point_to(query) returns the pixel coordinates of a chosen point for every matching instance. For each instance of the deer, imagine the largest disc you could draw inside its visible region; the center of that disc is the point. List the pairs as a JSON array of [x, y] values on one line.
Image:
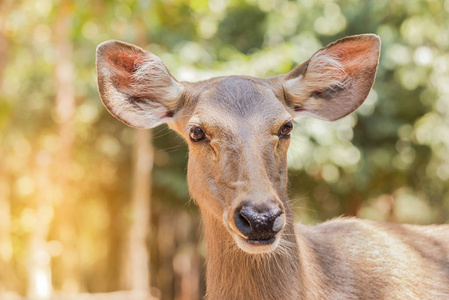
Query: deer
[[238, 131]]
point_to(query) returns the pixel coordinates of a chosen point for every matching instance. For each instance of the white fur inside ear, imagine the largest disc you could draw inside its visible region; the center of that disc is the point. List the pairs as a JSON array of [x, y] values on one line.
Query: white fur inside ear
[[145, 114], [152, 77], [324, 71]]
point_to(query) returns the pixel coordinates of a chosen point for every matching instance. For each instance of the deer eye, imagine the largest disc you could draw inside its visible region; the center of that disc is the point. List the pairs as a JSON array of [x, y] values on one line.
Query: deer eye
[[197, 134], [286, 129]]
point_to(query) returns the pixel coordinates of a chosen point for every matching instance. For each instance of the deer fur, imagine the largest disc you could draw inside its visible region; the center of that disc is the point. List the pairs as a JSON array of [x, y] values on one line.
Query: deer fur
[[242, 157]]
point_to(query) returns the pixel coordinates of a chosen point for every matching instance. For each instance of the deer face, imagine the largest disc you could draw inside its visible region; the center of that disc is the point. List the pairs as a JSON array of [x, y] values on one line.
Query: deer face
[[238, 137], [238, 128]]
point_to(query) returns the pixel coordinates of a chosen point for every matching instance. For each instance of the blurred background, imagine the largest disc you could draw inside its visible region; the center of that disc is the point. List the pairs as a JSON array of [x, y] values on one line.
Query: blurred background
[[93, 209]]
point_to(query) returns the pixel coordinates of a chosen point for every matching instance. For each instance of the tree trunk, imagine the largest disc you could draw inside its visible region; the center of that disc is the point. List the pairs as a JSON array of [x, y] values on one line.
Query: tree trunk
[[38, 264], [65, 111], [53, 169], [136, 260]]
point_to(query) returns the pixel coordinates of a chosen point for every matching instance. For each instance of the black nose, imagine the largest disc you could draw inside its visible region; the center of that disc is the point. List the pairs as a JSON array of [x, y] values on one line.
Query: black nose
[[259, 221]]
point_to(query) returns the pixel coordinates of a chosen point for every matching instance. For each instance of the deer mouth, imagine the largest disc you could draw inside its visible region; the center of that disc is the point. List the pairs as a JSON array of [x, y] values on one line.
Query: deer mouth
[[257, 242], [256, 246]]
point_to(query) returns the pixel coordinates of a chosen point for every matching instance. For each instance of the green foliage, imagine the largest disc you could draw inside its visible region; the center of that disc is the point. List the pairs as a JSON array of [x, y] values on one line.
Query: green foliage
[[243, 27]]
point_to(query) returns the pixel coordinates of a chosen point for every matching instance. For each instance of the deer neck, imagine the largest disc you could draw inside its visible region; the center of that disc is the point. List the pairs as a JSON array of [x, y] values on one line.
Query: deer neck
[[235, 274]]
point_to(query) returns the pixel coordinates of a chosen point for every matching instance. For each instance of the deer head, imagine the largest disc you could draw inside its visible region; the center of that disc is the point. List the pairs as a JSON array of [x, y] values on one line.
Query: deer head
[[238, 128]]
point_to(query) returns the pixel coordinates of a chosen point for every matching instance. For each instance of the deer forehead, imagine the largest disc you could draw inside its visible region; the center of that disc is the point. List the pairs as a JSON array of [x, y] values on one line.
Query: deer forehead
[[236, 104]]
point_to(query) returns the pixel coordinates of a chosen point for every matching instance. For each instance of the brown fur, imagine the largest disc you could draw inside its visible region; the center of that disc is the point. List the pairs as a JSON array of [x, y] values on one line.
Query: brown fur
[[244, 159]]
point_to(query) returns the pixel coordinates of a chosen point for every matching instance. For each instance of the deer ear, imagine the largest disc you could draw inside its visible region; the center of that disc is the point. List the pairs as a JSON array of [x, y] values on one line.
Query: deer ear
[[335, 80], [135, 86]]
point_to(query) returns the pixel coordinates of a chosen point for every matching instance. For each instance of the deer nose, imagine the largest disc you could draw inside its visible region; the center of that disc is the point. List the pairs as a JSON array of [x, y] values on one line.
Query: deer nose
[[259, 221]]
